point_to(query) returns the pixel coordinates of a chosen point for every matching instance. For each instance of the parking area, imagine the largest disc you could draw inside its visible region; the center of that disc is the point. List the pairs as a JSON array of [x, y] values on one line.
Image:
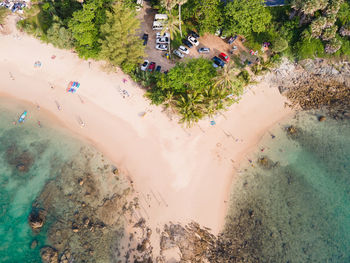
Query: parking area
[[215, 43], [146, 15]]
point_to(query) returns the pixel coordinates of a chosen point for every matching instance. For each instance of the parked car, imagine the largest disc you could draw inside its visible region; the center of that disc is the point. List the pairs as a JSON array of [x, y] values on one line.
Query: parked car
[[145, 65], [162, 47], [178, 53], [151, 66], [193, 40], [224, 57], [204, 50], [184, 49], [187, 43], [162, 40], [223, 36], [218, 62], [218, 32], [234, 48], [232, 39], [159, 35], [158, 68], [194, 34], [145, 39]]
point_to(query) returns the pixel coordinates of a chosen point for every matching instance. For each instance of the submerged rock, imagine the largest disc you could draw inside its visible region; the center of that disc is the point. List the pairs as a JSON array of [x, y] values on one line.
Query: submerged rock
[[292, 130], [36, 218], [322, 118], [34, 244], [49, 255], [22, 160]]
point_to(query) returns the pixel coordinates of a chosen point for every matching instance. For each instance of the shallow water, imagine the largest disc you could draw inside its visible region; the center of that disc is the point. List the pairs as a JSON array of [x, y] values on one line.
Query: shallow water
[[297, 209], [42, 166]]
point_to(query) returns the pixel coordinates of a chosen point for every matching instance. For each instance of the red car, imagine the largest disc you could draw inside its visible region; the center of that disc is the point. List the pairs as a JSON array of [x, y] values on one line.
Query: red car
[[151, 66], [224, 57]]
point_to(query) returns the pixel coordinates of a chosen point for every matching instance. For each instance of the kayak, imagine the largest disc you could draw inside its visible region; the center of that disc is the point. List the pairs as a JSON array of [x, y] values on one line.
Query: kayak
[[23, 116]]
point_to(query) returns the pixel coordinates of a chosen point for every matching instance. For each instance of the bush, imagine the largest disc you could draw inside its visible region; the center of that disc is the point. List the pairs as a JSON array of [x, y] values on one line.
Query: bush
[[279, 44], [310, 48]]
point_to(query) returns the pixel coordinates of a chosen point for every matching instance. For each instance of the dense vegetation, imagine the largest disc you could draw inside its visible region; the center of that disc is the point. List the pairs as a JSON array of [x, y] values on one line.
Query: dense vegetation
[[108, 29], [195, 89], [300, 29], [99, 29]]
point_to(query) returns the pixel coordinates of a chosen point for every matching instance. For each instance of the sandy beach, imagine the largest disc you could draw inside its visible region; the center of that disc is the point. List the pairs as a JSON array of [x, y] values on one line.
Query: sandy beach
[[181, 174]]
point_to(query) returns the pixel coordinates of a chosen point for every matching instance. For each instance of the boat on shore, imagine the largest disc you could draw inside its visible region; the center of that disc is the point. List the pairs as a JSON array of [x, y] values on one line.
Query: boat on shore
[[22, 117]]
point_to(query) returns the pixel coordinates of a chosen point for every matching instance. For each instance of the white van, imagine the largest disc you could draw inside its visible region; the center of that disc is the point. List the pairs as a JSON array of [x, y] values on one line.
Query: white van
[[158, 17], [157, 25], [139, 5]]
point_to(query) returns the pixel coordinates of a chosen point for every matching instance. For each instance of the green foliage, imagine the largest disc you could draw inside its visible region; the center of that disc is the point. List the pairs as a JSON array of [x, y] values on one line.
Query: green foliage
[[310, 48], [85, 31], [206, 14], [120, 44], [245, 17], [3, 13], [195, 89], [60, 36], [344, 13], [279, 44]]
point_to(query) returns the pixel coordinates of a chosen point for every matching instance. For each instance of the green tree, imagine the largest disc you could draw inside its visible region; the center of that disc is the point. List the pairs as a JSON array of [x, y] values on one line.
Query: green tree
[[59, 35], [226, 80], [120, 44], [171, 25], [206, 14], [279, 44], [85, 31], [245, 17], [85, 26]]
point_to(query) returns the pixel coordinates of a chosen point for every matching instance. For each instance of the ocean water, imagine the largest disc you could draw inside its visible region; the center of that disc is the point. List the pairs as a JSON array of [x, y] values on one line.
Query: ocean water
[[46, 167], [294, 205]]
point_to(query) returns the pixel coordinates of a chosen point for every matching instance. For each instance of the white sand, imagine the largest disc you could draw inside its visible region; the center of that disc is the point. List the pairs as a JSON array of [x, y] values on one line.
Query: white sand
[[181, 174]]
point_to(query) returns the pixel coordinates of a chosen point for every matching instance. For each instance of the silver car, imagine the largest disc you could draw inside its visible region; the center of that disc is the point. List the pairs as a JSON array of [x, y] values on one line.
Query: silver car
[[163, 40], [178, 53], [204, 50], [162, 47], [184, 50]]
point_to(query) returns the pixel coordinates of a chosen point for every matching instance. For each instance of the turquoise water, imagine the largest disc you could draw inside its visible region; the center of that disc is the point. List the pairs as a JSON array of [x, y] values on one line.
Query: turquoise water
[[297, 207], [43, 150], [43, 167]]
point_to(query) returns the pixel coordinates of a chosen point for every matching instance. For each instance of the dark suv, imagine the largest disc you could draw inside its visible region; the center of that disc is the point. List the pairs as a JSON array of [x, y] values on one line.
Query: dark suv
[[218, 62], [187, 43]]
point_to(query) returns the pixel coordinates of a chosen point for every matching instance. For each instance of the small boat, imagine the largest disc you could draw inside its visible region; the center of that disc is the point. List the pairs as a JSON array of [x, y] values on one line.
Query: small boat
[[23, 116]]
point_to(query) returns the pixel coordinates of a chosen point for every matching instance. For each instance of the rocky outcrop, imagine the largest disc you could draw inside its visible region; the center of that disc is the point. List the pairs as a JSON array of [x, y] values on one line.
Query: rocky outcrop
[[49, 255], [36, 218], [316, 84]]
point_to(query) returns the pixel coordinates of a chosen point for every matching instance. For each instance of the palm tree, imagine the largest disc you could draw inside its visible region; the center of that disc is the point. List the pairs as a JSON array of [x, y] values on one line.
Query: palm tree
[[180, 3], [226, 78], [190, 108], [171, 25], [170, 4]]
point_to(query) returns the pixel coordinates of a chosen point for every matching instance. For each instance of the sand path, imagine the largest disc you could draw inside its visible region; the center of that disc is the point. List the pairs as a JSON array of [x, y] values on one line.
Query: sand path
[[181, 174]]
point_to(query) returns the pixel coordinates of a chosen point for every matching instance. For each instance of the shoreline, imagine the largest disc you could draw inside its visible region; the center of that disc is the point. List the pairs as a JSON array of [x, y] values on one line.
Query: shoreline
[[180, 174]]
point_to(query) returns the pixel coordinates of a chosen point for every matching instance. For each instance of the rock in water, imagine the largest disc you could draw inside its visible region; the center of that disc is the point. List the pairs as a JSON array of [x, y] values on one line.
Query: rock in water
[[49, 255], [36, 219], [321, 118], [292, 130], [34, 244]]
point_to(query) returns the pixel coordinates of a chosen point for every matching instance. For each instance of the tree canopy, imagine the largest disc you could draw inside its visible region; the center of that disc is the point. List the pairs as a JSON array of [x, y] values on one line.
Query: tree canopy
[[245, 17], [120, 44]]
